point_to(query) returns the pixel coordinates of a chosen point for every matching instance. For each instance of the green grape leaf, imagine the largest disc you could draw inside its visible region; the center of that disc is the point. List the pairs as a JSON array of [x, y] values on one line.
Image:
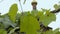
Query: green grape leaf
[[44, 18], [29, 24], [12, 12], [47, 18]]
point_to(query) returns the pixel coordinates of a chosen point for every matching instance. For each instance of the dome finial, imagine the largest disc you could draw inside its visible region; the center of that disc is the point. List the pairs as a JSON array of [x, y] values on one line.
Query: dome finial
[[34, 3]]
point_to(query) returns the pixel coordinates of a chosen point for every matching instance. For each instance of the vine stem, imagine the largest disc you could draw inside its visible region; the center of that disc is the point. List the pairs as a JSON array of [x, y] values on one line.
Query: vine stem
[[21, 6], [13, 30]]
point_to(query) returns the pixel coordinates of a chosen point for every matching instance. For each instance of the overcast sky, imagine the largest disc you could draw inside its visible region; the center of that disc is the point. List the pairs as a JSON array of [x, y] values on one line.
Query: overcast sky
[[47, 4]]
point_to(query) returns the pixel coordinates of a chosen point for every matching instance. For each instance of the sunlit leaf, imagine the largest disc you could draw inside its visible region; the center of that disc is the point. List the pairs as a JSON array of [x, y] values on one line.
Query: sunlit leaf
[[44, 18], [47, 18], [12, 12], [29, 24]]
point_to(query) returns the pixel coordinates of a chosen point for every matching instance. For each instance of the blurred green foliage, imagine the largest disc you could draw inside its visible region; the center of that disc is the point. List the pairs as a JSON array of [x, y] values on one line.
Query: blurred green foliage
[[2, 31], [27, 21]]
